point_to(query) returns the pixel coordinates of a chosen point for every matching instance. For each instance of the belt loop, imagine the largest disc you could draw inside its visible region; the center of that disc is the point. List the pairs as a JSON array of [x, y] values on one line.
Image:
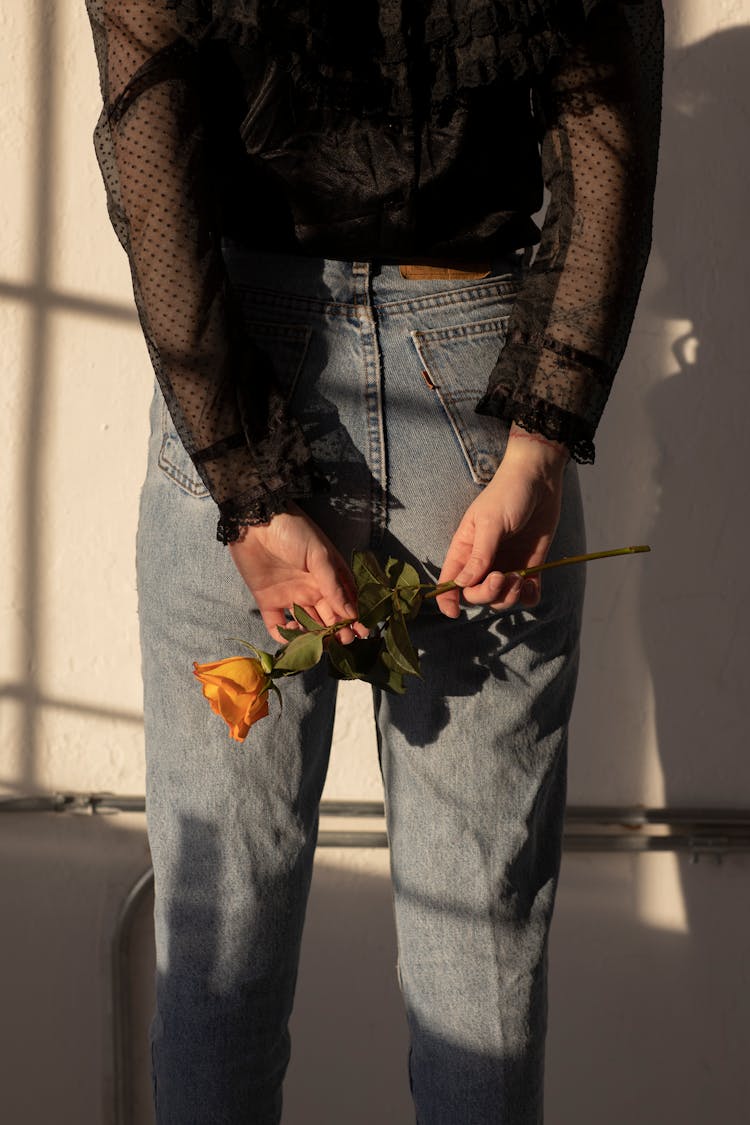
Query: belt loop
[[361, 276]]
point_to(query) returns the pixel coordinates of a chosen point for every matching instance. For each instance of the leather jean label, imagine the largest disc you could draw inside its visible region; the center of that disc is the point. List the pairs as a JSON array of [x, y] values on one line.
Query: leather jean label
[[454, 272]]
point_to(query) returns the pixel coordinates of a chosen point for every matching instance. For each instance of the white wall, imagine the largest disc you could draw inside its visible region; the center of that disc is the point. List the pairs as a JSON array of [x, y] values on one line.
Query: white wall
[[649, 958]]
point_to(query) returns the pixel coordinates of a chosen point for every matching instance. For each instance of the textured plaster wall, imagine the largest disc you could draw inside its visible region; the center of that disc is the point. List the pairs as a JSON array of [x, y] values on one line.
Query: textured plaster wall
[[649, 957]]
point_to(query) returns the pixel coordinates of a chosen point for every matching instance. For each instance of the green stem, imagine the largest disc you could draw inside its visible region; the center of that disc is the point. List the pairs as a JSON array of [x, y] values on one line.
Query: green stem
[[341, 624], [330, 630], [579, 559], [524, 572], [435, 591], [443, 587]]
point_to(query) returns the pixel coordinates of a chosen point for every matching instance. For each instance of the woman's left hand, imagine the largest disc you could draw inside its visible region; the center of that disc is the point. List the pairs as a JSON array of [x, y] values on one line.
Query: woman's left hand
[[508, 527], [290, 560]]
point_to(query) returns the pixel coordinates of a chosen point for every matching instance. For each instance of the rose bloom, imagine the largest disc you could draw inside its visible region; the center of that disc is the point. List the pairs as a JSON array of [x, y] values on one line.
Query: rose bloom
[[235, 688]]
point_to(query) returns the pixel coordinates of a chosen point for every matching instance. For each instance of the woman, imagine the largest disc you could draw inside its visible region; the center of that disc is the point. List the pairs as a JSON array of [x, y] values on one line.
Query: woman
[[327, 211]]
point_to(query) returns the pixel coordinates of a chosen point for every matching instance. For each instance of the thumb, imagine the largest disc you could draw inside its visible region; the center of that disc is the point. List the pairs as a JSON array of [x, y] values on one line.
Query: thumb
[[483, 553]]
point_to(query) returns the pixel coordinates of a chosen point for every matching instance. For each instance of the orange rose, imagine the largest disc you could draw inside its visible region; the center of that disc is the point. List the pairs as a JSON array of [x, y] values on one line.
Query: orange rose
[[236, 688]]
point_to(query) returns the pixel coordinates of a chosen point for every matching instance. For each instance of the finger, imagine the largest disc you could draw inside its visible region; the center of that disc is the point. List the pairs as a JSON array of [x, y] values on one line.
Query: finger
[[336, 584], [449, 603], [531, 592], [345, 636], [456, 557], [531, 587], [510, 594], [482, 555], [272, 618], [324, 612], [458, 551], [312, 610], [498, 591]]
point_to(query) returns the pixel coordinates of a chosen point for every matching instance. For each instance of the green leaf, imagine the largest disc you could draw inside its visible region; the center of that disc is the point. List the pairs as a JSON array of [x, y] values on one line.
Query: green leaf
[[411, 600], [399, 646], [340, 662], [404, 581], [365, 660], [305, 620], [401, 603], [356, 660], [401, 573], [392, 570], [367, 570], [394, 683], [387, 675], [373, 604], [272, 687], [303, 652], [288, 634]]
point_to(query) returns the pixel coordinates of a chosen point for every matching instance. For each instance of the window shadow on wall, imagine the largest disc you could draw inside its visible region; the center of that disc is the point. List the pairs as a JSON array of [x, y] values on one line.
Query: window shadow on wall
[[671, 688], [695, 608], [694, 615], [696, 611], [42, 302]]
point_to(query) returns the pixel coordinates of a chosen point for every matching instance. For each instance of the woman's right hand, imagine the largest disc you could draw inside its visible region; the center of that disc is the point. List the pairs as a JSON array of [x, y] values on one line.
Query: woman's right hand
[[288, 561], [510, 525]]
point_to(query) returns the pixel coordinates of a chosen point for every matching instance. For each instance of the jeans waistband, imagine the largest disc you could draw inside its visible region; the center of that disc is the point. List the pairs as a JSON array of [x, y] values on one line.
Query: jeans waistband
[[354, 282]]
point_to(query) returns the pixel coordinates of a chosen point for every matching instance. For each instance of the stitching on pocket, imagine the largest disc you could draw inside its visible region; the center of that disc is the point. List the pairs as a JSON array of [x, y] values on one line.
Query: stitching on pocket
[[480, 439], [175, 462]]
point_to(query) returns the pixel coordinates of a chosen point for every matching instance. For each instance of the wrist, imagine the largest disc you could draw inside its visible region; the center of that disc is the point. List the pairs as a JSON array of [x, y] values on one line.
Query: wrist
[[532, 447]]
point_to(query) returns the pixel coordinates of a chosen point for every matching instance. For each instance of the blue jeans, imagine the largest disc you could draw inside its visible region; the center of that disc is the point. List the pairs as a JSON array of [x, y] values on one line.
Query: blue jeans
[[384, 373]]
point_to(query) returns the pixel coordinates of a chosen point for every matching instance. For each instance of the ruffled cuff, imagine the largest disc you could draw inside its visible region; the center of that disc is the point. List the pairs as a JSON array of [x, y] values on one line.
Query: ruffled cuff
[[236, 515], [543, 418], [253, 510]]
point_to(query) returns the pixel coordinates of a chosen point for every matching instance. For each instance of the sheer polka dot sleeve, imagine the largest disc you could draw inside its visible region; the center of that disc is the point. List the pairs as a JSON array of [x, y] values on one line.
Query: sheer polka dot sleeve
[[151, 149], [600, 115]]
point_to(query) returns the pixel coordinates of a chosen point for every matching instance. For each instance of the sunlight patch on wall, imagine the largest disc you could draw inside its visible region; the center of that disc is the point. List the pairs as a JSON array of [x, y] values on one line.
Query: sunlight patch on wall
[[695, 20], [660, 902]]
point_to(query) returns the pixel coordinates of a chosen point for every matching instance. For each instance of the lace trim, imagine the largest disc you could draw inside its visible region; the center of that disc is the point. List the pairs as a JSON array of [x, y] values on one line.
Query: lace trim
[[236, 515], [544, 418], [361, 57], [239, 513]]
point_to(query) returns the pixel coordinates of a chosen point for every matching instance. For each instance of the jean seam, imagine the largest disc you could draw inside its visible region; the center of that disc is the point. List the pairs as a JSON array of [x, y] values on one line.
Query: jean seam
[[406, 305]]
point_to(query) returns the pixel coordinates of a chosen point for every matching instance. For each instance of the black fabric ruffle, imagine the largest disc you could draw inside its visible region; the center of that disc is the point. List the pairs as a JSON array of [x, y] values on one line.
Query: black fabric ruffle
[[361, 57], [545, 418]]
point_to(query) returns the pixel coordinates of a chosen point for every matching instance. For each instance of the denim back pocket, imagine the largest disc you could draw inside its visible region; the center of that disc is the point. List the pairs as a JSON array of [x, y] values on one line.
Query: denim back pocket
[[283, 348], [456, 365], [174, 461]]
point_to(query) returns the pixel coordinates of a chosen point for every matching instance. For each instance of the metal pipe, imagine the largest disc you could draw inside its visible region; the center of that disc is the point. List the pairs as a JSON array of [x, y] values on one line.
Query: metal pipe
[[617, 814], [120, 972], [608, 827]]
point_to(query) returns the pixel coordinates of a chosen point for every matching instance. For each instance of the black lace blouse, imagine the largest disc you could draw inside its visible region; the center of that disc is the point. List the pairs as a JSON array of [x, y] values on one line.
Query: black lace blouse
[[420, 130]]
